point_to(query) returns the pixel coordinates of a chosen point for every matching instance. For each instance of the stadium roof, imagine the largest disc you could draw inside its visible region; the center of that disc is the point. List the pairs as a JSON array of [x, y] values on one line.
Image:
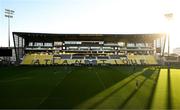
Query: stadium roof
[[48, 37]]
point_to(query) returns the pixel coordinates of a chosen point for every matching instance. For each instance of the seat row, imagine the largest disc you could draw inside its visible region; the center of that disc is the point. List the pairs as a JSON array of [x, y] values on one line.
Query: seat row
[[44, 59]]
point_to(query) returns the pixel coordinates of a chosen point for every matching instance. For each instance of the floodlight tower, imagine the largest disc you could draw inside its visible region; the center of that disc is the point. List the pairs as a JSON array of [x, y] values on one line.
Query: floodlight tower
[[169, 17], [9, 14]]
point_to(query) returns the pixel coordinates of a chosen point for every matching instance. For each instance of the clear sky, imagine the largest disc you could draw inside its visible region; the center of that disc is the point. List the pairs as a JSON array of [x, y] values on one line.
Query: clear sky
[[91, 16]]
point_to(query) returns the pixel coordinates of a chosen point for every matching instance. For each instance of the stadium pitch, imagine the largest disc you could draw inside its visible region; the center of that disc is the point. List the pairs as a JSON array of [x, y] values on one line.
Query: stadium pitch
[[105, 87]]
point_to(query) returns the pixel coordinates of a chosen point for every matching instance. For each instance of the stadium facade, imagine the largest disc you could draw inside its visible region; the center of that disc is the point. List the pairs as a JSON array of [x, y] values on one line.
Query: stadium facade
[[87, 49]]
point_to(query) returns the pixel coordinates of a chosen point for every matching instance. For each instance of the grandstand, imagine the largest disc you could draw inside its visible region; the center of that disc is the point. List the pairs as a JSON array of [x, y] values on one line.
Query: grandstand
[[103, 87], [87, 49]]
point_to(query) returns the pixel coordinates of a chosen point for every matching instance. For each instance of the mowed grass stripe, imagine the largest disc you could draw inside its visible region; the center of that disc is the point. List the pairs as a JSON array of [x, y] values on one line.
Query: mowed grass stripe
[[111, 75], [28, 93], [82, 87], [160, 96], [58, 84], [78, 86], [100, 80], [113, 96], [140, 98], [175, 88], [120, 98]]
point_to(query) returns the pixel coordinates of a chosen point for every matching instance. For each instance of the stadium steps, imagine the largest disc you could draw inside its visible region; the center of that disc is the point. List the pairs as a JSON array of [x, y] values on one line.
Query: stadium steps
[[147, 59]]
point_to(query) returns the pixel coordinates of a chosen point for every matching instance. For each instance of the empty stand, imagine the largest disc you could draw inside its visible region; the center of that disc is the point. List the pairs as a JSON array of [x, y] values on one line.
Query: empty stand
[[69, 59]]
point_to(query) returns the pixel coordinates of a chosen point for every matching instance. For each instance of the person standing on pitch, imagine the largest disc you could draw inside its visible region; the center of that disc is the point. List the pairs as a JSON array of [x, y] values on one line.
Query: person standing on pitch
[[133, 68], [137, 84]]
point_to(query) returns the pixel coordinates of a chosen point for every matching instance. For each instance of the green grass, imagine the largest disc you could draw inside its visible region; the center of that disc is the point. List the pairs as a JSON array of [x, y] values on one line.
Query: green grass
[[175, 88], [111, 87], [160, 94], [166, 94]]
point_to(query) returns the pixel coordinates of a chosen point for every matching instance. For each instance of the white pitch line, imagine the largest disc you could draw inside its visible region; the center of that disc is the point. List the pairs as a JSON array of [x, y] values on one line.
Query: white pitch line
[[43, 100], [100, 80]]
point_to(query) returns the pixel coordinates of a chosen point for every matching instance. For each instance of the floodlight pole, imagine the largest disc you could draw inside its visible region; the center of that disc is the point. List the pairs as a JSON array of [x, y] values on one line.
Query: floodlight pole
[[168, 17], [9, 33], [168, 44], [9, 14]]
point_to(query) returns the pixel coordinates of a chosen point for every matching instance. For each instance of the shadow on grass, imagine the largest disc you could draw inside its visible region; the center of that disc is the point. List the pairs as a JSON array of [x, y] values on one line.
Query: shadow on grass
[[102, 100], [169, 101], [75, 93], [149, 104], [147, 75]]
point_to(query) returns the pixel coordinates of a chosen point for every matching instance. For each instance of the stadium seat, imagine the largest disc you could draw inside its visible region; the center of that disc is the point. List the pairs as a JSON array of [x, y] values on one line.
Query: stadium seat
[[47, 59]]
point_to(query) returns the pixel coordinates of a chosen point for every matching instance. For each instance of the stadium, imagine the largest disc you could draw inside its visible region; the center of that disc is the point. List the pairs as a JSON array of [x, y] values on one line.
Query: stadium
[[89, 71], [87, 49], [89, 54]]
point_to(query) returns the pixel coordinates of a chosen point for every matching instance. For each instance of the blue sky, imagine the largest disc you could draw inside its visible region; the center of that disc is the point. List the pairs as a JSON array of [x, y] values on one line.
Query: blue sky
[[88, 16]]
